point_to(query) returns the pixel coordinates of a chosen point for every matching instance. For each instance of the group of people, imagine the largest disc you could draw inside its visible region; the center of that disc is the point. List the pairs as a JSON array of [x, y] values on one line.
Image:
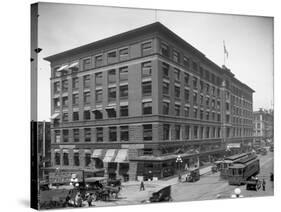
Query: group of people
[[77, 201]]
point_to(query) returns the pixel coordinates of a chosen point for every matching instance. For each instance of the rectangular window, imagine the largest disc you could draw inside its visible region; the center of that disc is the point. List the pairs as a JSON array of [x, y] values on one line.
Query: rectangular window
[[87, 115], [56, 103], [146, 47], [112, 134], [195, 132], [186, 111], [176, 56], [207, 132], [75, 83], [98, 114], [187, 132], [76, 159], [112, 76], [194, 83], [201, 114], [177, 110], [177, 74], [75, 99], [65, 135], [146, 69], [65, 159], [111, 57], [65, 101], [98, 79], [165, 70], [87, 159], [147, 132], [195, 98], [166, 132], [219, 132], [201, 99], [86, 64], [124, 53], [124, 133], [146, 108], [99, 134], [186, 79], [75, 116], [165, 88], [219, 117], [111, 113], [195, 112], [57, 136], [165, 108], [123, 74], [65, 117], [86, 81], [178, 132], [186, 95], [201, 86], [76, 135], [65, 85], [207, 88], [207, 115], [57, 87], [87, 134], [146, 88], [164, 49], [186, 62], [98, 95], [87, 97], [194, 66], [112, 94], [124, 111], [123, 92], [177, 92], [57, 158]]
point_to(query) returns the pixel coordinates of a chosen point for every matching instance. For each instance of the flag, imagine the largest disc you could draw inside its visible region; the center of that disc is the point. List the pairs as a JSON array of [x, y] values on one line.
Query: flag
[[225, 50]]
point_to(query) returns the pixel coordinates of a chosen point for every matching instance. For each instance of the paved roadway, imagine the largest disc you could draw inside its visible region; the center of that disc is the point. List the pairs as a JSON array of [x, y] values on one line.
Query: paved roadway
[[210, 186], [207, 188]]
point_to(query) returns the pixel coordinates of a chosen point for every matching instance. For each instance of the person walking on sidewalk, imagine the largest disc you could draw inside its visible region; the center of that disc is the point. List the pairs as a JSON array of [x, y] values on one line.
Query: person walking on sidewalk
[[263, 185], [142, 186]]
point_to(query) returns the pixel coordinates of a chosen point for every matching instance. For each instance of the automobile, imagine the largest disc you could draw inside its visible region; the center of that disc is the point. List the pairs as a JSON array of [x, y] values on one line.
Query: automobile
[[253, 184], [263, 151], [271, 148], [192, 175], [114, 182], [163, 195]]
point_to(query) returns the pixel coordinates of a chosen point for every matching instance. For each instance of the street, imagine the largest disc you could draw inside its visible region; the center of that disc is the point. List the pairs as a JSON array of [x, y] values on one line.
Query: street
[[209, 187]]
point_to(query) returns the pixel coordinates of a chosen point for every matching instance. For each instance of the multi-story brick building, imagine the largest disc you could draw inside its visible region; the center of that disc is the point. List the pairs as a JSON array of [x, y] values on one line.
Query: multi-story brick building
[[263, 126], [131, 103]]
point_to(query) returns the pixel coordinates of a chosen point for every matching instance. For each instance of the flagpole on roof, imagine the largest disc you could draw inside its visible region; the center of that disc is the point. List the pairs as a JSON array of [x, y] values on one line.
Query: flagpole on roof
[[223, 53]]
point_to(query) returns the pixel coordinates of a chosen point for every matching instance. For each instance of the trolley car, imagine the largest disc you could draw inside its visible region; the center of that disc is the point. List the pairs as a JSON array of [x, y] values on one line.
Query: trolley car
[[224, 165], [243, 170]]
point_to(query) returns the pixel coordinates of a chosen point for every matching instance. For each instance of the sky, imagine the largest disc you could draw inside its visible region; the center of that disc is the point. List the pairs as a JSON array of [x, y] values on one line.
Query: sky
[[248, 40]]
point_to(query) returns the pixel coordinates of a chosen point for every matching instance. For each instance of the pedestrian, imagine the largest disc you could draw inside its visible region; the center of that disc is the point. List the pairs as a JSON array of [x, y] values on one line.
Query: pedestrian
[[263, 185], [271, 177], [89, 199], [142, 186], [78, 200]]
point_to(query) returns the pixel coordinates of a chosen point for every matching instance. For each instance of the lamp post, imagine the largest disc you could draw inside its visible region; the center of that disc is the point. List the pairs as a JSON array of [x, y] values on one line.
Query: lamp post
[[179, 162], [237, 193]]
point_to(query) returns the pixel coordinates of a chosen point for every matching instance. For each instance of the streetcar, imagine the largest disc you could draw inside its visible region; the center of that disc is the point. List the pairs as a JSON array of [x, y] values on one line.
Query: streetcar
[[243, 170], [224, 165]]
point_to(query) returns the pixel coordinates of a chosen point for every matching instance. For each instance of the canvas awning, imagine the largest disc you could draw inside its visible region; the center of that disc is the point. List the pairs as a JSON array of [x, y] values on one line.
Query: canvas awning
[[72, 65], [121, 156], [109, 155], [55, 115], [97, 153], [64, 67]]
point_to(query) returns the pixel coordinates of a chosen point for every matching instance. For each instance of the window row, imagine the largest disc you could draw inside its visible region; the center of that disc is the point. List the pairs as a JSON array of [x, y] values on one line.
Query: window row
[[189, 80], [76, 159], [188, 63]]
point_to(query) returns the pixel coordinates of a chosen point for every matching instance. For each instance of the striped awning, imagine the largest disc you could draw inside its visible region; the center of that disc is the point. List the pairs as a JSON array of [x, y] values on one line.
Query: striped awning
[[97, 153], [55, 115], [62, 68], [121, 156], [109, 156]]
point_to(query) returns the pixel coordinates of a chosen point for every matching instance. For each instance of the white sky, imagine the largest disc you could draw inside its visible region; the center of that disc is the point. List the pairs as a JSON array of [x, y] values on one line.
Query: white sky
[[249, 40]]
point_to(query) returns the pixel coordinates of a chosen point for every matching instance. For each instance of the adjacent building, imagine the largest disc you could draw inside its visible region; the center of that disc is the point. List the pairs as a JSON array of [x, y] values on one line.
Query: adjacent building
[[263, 126], [127, 106]]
